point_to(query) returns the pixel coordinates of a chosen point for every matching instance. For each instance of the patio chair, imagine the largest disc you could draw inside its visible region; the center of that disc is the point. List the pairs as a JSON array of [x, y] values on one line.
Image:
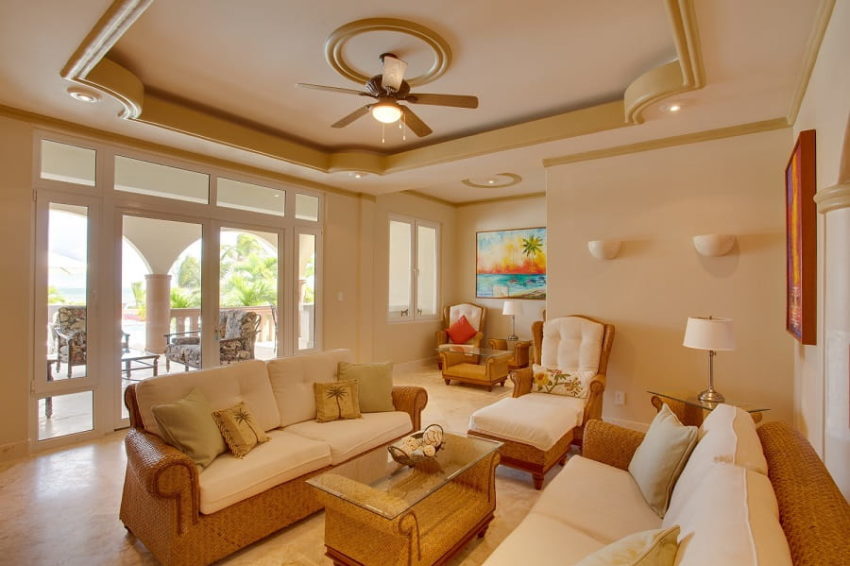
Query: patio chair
[[68, 337], [237, 333], [542, 419]]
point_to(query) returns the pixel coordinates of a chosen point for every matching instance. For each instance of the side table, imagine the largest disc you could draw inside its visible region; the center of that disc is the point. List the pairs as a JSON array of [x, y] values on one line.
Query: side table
[[692, 411]]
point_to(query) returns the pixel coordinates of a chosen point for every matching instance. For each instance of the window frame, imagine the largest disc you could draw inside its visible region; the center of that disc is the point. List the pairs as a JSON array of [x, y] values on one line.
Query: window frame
[[414, 310]]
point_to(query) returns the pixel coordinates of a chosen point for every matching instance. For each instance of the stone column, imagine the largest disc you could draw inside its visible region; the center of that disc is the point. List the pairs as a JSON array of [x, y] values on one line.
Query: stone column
[[834, 203], [158, 308]]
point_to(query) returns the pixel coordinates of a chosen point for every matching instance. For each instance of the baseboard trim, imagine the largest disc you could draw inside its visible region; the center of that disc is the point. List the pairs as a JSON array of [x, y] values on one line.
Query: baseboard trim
[[634, 425], [12, 450], [414, 364]]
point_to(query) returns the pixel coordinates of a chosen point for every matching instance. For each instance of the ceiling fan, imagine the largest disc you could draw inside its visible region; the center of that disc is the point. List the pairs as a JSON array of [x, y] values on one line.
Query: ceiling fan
[[390, 88]]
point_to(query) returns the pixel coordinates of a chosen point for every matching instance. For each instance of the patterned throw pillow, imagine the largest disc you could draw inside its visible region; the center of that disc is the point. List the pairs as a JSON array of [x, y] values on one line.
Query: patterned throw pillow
[[240, 429], [558, 382], [336, 400]]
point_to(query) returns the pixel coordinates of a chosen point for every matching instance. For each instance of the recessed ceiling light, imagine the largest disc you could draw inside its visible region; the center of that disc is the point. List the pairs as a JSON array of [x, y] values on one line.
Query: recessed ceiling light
[[83, 94], [358, 174], [672, 107], [491, 181]]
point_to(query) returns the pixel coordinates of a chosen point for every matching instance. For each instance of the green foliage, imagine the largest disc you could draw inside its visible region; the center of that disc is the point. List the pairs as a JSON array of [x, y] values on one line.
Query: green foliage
[[185, 298], [248, 274], [189, 273], [54, 297], [532, 246], [139, 299]]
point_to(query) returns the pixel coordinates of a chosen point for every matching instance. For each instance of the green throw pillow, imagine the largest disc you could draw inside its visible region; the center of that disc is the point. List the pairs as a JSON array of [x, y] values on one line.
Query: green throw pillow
[[188, 425], [660, 458], [374, 384], [647, 548]]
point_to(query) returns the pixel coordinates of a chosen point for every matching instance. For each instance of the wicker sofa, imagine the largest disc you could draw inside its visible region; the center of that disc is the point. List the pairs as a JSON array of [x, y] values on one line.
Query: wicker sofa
[[728, 510], [188, 516]]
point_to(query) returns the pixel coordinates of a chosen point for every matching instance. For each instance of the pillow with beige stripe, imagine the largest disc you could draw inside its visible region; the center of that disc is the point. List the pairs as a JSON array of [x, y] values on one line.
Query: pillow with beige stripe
[[660, 458]]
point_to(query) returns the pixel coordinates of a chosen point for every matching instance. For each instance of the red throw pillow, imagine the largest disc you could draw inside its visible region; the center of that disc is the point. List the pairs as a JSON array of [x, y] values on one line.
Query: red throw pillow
[[461, 331]]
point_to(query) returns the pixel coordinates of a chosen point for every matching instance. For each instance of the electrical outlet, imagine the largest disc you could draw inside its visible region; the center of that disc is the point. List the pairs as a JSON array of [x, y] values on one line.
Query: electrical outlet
[[619, 398]]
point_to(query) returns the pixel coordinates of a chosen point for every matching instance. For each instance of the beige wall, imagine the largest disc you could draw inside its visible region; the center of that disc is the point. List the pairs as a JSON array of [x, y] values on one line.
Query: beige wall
[[502, 215], [821, 371], [16, 233], [655, 201], [405, 341]]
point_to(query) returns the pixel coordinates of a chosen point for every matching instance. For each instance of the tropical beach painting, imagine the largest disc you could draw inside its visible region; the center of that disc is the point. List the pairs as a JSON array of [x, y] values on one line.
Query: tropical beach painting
[[511, 264]]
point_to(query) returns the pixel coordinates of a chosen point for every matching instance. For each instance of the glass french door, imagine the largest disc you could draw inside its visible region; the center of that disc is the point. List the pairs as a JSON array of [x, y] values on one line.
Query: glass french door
[[65, 344]]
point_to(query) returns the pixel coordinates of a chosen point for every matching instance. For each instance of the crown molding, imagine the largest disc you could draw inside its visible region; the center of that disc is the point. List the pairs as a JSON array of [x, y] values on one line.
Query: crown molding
[[833, 198], [696, 137], [500, 199], [432, 198], [91, 66], [812, 50]]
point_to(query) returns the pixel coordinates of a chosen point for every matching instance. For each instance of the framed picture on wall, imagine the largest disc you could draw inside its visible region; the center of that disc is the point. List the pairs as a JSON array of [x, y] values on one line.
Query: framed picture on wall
[[801, 240], [511, 264]]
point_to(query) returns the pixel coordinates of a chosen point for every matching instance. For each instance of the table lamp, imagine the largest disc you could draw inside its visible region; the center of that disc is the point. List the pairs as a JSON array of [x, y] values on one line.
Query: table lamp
[[712, 334], [512, 308]]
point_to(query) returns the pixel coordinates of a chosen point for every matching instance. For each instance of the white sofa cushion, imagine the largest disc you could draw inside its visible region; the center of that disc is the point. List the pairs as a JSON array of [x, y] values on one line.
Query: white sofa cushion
[[292, 382], [731, 518], [541, 540], [571, 344], [351, 437], [285, 456], [223, 387], [600, 500], [727, 435], [471, 312], [538, 419]]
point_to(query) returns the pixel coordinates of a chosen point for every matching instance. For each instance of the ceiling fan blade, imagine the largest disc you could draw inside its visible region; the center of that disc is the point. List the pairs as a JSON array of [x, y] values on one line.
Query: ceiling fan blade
[[455, 100], [333, 89], [393, 72], [412, 121], [362, 111]]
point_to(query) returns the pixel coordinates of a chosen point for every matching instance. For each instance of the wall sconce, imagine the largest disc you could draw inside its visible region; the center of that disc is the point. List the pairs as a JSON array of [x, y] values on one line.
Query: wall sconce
[[604, 249], [713, 245]]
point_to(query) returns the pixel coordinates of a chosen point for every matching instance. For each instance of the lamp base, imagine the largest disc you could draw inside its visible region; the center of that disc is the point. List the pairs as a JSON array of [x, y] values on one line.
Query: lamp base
[[711, 396], [512, 338]]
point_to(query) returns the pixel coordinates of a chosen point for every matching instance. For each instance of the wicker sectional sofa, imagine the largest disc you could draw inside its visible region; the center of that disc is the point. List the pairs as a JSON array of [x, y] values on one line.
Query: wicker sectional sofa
[[188, 516], [729, 510]]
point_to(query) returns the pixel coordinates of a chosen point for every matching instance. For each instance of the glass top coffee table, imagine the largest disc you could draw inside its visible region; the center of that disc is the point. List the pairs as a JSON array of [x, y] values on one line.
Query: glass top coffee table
[[378, 511]]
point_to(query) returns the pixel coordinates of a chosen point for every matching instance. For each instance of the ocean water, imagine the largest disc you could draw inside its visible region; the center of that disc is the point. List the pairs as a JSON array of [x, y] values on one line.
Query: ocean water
[[498, 286]]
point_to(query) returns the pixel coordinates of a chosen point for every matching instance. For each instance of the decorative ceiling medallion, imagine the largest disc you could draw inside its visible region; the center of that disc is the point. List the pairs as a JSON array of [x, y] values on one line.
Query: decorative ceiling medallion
[[497, 181], [336, 42]]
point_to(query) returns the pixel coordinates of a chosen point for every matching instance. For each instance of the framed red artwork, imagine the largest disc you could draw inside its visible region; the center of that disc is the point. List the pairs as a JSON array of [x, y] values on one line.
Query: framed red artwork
[[801, 240]]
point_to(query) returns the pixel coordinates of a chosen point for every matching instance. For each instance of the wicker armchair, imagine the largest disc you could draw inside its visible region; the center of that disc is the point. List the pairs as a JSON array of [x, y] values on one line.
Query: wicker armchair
[[68, 337], [475, 314], [237, 331], [579, 339]]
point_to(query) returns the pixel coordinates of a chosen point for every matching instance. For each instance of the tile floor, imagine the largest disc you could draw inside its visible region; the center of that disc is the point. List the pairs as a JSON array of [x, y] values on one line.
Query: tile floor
[[61, 507]]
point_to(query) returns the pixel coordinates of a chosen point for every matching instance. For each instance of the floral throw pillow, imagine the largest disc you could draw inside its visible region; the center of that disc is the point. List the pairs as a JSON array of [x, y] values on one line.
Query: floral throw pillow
[[560, 382]]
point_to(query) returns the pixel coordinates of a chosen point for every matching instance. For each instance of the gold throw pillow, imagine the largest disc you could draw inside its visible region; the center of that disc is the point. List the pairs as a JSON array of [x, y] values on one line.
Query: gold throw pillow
[[336, 400], [239, 428]]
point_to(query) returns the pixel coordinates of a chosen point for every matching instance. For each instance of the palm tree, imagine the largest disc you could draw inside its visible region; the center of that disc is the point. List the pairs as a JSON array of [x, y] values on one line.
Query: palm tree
[[244, 417], [336, 392], [532, 246]]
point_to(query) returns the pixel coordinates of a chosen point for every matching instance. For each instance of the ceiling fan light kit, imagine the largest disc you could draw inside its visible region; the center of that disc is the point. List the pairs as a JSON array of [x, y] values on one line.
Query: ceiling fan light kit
[[389, 88]]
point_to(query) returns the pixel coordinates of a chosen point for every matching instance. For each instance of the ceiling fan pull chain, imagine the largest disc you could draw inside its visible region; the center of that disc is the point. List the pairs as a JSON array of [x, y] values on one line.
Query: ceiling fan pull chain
[[383, 133], [401, 125]]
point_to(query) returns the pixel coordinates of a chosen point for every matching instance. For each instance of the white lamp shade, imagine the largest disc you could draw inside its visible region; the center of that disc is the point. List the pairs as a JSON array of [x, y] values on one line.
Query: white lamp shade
[[709, 334], [512, 308]]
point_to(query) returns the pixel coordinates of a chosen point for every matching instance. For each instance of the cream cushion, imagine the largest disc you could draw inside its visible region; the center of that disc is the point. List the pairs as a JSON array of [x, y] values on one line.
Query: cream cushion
[[223, 387], [731, 518], [661, 457], [286, 456], [584, 494], [540, 540], [571, 344], [349, 438], [538, 419], [292, 382], [729, 435], [471, 312], [646, 548]]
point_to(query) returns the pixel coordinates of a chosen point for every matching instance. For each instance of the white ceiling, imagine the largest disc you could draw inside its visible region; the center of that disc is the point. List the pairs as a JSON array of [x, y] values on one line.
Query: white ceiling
[[524, 60]]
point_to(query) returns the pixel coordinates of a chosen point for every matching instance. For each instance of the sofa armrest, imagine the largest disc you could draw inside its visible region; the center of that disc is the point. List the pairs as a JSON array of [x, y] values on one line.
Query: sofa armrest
[[163, 470], [610, 444], [411, 399], [522, 379]]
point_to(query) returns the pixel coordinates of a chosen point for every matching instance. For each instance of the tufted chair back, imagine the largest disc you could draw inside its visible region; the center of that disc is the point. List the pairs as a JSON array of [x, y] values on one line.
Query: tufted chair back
[[573, 343], [473, 313]]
